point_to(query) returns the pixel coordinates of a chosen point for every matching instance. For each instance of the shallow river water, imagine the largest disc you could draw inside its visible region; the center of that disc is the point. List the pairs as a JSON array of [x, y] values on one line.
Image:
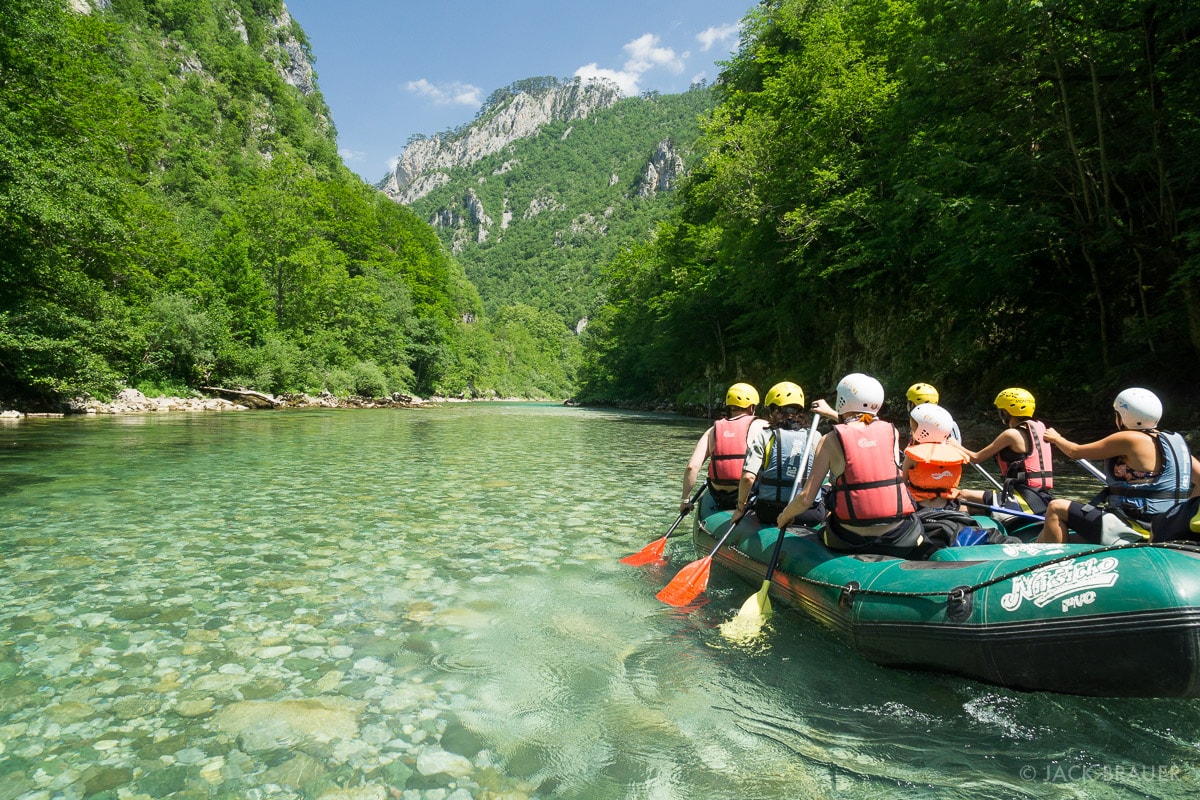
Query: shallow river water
[[428, 605]]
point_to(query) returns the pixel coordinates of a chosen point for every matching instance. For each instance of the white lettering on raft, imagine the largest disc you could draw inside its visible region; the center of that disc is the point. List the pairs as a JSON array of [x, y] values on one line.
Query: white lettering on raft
[[1045, 585]]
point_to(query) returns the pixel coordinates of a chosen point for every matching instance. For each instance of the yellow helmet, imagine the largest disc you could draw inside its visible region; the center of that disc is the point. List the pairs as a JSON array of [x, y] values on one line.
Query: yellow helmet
[[922, 393], [785, 394], [741, 395], [1017, 402]]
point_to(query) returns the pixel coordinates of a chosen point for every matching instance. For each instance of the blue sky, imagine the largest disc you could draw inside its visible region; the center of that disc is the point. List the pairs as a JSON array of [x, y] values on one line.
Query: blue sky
[[392, 68]]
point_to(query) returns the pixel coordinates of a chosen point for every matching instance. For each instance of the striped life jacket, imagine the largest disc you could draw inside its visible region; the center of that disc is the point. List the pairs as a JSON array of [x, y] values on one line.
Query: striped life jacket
[[937, 469], [729, 452], [871, 491], [1034, 469], [781, 465]]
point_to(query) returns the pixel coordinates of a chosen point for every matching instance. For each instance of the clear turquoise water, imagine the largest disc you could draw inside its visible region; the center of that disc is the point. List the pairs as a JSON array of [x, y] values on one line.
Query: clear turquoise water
[[428, 604]]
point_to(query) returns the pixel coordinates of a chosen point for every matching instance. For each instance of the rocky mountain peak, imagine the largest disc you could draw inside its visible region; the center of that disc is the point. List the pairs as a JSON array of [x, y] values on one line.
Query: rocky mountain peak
[[513, 114]]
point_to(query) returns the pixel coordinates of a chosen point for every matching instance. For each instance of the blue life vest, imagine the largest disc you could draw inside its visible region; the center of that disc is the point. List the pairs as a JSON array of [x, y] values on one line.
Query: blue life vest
[[1165, 490], [781, 464]]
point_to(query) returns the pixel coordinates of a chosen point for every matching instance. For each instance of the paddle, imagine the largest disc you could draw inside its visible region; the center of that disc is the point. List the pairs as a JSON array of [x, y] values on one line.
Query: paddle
[[1091, 469], [654, 550], [692, 580], [988, 475], [1000, 510], [758, 605]]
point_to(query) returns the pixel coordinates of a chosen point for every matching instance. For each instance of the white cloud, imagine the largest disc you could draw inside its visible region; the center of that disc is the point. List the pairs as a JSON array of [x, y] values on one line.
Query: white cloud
[[645, 54], [626, 82], [351, 155], [725, 35], [446, 94]]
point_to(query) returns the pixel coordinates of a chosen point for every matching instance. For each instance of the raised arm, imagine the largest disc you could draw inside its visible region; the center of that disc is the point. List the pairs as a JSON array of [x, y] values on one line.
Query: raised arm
[[1007, 438], [1111, 446]]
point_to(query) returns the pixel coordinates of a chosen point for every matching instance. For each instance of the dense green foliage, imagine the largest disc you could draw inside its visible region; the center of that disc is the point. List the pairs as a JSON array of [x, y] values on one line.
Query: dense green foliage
[[173, 213], [569, 216], [975, 194]]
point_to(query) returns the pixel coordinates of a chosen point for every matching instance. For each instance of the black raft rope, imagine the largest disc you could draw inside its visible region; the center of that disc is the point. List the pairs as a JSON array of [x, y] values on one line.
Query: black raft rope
[[958, 595]]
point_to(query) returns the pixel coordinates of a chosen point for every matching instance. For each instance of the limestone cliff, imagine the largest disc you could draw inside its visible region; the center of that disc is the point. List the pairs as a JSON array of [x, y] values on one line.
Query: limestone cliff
[[535, 219], [425, 163]]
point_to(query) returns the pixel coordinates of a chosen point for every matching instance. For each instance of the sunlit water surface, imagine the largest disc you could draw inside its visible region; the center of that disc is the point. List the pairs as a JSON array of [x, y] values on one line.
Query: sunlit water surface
[[428, 604]]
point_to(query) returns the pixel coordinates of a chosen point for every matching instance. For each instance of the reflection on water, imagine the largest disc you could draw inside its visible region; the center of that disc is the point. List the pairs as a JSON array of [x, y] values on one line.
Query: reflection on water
[[429, 605]]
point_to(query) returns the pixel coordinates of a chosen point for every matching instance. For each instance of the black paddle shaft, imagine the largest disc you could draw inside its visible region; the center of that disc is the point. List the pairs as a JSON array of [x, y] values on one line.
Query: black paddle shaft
[[683, 514]]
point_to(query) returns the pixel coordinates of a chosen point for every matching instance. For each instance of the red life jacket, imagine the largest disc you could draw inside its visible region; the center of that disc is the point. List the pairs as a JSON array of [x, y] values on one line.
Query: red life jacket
[[936, 471], [871, 491], [1034, 468], [729, 452]]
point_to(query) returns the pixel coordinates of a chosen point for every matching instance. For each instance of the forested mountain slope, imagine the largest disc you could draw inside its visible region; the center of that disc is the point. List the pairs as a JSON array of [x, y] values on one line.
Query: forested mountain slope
[[548, 183], [173, 212], [977, 195]]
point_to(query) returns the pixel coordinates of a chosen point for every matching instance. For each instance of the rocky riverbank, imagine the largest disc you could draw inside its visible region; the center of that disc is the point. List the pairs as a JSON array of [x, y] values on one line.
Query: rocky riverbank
[[131, 401]]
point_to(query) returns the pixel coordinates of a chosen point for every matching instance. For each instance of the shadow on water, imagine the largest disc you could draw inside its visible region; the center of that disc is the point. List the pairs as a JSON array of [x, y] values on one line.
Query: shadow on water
[[11, 482]]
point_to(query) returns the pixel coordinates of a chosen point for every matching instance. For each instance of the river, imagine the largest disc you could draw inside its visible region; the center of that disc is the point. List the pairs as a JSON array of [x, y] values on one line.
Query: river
[[428, 604]]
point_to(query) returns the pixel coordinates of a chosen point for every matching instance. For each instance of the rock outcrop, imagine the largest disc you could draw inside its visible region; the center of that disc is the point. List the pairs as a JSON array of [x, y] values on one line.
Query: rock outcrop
[[663, 171]]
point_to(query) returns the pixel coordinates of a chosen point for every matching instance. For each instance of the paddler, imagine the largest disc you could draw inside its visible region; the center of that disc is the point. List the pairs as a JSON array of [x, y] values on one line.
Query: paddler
[[724, 447], [933, 461], [1023, 454], [773, 459], [1151, 475], [870, 509]]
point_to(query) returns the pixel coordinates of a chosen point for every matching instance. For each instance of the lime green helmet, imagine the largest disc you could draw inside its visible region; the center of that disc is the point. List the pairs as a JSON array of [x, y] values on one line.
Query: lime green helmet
[[741, 395], [921, 393], [785, 394], [1015, 401]]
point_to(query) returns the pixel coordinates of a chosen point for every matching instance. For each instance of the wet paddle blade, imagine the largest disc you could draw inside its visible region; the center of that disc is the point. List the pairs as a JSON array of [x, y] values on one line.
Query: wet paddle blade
[[758, 604], [747, 624], [650, 553], [688, 584]]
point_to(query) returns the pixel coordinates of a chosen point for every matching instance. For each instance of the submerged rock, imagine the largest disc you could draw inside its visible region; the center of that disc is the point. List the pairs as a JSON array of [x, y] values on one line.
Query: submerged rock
[[288, 722]]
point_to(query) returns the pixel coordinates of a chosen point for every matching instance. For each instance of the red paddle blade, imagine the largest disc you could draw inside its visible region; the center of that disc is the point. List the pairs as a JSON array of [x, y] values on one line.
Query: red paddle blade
[[688, 584], [649, 553]]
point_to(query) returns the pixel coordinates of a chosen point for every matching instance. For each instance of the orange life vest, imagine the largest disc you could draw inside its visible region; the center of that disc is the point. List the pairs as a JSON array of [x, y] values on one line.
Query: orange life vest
[[871, 491], [936, 471]]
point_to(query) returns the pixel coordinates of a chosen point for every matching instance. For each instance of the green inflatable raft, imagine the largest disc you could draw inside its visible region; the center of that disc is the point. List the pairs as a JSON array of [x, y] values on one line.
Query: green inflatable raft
[[1080, 619]]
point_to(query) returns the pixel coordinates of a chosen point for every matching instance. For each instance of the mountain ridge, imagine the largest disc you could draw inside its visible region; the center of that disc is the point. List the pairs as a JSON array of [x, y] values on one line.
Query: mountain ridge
[[425, 163], [534, 212]]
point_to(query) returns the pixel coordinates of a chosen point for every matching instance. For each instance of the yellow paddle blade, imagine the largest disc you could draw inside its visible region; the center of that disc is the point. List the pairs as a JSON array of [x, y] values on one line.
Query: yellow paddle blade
[[758, 604], [748, 622]]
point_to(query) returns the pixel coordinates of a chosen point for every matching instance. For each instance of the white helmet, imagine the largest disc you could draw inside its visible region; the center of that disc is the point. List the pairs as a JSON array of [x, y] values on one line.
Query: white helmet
[[859, 394], [934, 423], [1138, 408]]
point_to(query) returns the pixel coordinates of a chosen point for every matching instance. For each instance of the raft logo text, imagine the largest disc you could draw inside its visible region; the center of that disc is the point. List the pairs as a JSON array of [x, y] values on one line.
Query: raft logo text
[[1052, 582]]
